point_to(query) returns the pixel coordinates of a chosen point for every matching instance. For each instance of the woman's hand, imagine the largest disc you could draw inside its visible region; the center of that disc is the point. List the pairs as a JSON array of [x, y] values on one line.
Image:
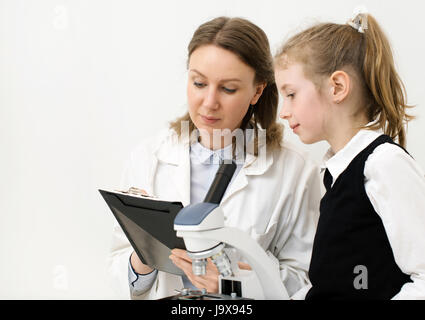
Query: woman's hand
[[209, 281], [244, 266], [138, 265]]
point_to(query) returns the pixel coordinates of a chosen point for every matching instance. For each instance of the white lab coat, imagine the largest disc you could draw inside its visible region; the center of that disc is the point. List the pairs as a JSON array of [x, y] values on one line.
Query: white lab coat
[[275, 200]]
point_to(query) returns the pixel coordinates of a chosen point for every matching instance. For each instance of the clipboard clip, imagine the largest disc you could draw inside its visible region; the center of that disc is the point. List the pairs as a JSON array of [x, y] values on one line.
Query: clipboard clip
[[137, 192]]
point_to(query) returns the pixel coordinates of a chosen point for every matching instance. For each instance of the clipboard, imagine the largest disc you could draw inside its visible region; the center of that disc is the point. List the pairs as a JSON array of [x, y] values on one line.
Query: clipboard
[[148, 224]]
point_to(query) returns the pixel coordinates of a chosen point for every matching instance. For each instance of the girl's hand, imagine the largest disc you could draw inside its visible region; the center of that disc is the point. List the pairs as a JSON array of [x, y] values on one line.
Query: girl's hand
[[209, 281]]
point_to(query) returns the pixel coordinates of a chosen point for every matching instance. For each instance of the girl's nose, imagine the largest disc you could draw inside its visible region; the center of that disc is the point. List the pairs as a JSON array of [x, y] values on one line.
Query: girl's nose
[[284, 112]]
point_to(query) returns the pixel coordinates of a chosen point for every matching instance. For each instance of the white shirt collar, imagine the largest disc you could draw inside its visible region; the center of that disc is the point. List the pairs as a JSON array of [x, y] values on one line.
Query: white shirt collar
[[338, 162], [205, 155]]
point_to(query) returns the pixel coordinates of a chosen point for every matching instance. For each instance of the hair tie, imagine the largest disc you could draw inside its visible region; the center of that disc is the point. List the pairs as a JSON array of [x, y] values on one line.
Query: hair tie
[[359, 20]]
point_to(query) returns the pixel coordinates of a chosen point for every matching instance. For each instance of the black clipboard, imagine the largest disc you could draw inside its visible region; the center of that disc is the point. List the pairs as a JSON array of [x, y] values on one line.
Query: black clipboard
[[149, 227]]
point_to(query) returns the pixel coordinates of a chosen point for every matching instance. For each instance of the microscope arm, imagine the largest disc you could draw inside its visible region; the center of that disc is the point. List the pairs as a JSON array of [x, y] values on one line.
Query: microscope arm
[[273, 287]]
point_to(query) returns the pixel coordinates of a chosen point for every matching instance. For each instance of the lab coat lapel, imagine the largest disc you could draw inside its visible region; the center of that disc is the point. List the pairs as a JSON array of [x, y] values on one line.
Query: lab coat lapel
[[175, 154], [240, 182], [180, 177], [252, 166]]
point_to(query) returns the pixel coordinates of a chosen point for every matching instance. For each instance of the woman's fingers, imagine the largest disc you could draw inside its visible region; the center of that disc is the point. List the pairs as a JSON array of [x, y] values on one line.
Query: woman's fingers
[[182, 254], [209, 281], [244, 266], [186, 267], [138, 191], [183, 264]]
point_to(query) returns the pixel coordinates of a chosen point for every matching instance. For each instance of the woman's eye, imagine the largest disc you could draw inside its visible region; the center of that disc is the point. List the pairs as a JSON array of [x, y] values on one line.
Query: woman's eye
[[199, 84], [227, 90], [290, 95]]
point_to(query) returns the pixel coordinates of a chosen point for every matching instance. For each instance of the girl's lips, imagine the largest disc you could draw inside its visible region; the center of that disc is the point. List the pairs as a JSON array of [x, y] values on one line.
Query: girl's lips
[[209, 120], [294, 127]]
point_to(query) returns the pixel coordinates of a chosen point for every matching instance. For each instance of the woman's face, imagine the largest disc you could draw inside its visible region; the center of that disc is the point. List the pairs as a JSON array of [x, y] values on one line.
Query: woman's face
[[220, 89]]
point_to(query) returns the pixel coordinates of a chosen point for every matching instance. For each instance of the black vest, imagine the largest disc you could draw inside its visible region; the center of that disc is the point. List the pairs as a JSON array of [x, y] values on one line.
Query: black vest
[[351, 250]]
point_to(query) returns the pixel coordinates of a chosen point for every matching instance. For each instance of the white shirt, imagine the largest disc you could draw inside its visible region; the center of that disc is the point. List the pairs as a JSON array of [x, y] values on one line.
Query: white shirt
[[395, 185]]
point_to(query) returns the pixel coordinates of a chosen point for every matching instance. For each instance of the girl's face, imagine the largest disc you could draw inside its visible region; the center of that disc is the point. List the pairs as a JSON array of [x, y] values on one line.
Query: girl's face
[[303, 106], [220, 89]]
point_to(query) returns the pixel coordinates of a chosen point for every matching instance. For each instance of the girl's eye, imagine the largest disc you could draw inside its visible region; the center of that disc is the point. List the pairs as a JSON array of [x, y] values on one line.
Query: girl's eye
[[291, 95], [199, 84], [227, 90]]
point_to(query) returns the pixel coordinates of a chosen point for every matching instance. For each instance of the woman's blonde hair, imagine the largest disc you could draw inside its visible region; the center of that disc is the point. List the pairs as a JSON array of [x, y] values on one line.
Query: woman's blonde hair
[[328, 47], [250, 44]]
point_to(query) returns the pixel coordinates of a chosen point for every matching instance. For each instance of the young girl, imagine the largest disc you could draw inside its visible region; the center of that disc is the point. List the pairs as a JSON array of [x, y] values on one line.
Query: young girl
[[339, 84]]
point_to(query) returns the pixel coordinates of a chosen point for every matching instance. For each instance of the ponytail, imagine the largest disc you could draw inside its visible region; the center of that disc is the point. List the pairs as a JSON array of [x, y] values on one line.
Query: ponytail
[[388, 102]]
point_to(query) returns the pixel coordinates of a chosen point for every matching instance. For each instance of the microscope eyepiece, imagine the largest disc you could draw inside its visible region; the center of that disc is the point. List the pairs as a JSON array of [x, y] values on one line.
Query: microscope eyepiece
[[221, 181]]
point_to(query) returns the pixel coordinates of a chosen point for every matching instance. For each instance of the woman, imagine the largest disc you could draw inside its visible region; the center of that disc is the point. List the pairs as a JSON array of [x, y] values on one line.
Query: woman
[[275, 191]]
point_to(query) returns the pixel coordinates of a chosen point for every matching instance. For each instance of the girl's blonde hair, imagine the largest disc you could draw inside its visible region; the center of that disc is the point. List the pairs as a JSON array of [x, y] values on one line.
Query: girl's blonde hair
[[328, 47], [250, 44]]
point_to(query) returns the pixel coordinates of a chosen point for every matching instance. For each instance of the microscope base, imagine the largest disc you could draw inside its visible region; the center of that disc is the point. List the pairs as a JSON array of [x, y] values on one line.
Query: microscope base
[[199, 295]]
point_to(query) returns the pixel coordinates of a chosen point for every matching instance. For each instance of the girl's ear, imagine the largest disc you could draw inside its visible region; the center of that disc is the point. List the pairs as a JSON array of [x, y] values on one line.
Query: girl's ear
[[340, 83], [259, 88]]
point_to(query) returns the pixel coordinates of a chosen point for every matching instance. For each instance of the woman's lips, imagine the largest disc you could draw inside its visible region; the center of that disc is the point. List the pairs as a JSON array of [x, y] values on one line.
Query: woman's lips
[[209, 120]]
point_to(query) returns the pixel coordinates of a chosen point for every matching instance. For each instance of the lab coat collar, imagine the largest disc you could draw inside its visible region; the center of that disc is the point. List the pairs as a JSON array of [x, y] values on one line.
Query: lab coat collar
[[170, 148], [175, 151]]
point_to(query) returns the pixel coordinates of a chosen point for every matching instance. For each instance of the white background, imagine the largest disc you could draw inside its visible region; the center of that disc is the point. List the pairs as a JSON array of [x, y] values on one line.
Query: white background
[[82, 81]]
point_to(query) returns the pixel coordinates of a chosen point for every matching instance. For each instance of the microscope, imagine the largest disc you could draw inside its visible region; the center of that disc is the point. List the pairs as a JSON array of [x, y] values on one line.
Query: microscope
[[201, 226]]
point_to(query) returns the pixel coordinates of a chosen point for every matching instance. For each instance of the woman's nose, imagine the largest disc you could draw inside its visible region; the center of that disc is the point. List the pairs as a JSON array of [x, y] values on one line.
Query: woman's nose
[[211, 98]]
